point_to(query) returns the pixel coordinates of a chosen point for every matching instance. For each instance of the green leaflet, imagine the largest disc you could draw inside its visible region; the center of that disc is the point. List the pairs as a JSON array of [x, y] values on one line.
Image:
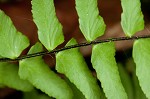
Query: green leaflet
[[9, 77], [107, 72], [138, 93], [40, 75], [132, 18], [35, 95], [76, 92], [141, 52], [72, 64], [49, 29], [91, 24], [12, 42], [126, 81]]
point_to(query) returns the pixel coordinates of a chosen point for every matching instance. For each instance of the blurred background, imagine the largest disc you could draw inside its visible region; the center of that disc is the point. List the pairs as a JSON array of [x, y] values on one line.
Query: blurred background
[[20, 13]]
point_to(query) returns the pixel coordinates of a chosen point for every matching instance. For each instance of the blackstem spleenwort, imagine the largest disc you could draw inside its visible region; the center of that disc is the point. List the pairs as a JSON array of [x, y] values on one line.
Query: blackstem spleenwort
[[79, 83]]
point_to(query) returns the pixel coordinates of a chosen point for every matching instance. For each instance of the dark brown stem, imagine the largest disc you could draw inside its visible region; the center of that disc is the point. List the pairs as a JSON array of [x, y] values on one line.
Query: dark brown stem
[[73, 46]]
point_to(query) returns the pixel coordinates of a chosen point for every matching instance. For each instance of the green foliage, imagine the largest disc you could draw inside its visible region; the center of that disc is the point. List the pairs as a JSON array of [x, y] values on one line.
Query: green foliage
[[138, 93], [78, 83], [107, 72], [37, 72], [9, 77], [132, 18], [12, 42], [126, 81], [91, 24], [141, 52], [35, 95], [49, 29], [76, 70], [77, 94]]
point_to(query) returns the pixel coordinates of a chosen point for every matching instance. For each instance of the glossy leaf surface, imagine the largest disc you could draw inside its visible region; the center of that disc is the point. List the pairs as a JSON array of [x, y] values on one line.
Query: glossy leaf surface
[[49, 29], [12, 42], [141, 52], [40, 75], [104, 63], [10, 78], [91, 24], [132, 18], [72, 64]]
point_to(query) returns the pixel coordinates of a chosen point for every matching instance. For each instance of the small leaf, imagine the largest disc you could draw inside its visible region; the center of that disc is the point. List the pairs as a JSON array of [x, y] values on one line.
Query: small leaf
[[107, 72], [49, 29], [72, 64], [12, 42], [141, 52], [132, 18], [9, 77], [39, 74], [91, 24], [126, 81]]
